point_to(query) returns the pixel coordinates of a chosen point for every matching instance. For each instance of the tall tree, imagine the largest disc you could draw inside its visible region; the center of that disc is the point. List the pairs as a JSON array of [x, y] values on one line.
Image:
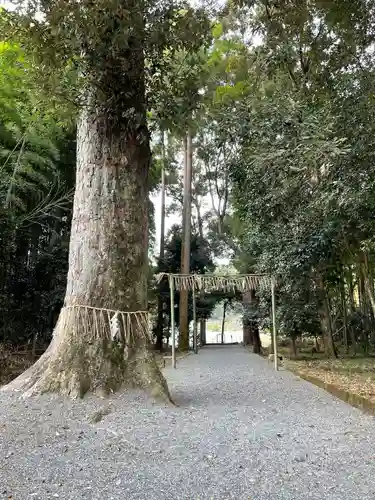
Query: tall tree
[[186, 240], [159, 331], [108, 261], [298, 153]]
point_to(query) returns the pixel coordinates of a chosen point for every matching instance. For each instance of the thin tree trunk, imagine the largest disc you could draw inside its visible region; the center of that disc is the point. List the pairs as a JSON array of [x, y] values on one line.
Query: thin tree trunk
[[294, 346], [246, 323], [247, 333], [366, 298], [351, 290], [203, 331], [344, 314], [257, 345], [160, 317], [326, 320], [201, 293], [185, 247], [324, 340], [361, 289], [251, 327], [317, 345], [247, 338], [368, 286], [363, 304], [108, 259], [223, 321], [353, 338]]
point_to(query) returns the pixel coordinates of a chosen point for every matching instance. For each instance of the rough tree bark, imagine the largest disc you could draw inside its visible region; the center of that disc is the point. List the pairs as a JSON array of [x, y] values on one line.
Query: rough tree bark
[[108, 247]]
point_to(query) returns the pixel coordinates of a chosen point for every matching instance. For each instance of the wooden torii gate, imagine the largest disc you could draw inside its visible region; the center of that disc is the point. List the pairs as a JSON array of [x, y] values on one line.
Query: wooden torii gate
[[214, 282]]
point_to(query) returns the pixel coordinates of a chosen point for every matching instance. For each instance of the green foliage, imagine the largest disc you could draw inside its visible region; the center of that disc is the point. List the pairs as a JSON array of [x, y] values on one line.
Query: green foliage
[[89, 45], [283, 139], [86, 53], [37, 157], [27, 151], [306, 159]]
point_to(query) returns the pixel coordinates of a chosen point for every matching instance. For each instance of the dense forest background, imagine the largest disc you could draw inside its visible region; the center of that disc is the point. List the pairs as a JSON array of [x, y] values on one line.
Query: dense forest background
[[276, 99]]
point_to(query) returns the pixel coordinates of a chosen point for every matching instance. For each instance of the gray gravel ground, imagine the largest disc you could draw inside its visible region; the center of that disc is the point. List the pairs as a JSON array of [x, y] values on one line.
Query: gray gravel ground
[[241, 431]]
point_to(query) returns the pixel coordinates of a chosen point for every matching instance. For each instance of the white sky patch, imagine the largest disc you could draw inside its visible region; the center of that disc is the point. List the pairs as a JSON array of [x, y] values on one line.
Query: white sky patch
[[7, 5], [173, 219]]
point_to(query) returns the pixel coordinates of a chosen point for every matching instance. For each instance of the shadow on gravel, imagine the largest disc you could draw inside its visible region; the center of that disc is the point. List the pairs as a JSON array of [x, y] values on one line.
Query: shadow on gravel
[[207, 398]]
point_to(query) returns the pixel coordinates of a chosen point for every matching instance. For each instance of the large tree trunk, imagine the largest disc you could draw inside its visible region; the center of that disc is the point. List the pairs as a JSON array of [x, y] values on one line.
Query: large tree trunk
[[108, 259]]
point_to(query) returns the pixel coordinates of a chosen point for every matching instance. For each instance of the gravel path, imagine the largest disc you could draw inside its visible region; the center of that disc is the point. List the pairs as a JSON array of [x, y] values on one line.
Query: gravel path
[[241, 431]]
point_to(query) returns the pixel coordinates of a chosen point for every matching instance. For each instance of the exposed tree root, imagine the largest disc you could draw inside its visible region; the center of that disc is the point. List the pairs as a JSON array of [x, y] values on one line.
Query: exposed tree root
[[85, 356]]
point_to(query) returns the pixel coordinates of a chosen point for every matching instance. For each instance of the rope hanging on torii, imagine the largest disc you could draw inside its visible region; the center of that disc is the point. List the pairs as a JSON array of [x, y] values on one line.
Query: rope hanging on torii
[[213, 282]]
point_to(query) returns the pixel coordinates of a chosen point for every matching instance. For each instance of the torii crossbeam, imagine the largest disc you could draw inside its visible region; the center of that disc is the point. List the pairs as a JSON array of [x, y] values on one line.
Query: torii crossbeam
[[211, 282]]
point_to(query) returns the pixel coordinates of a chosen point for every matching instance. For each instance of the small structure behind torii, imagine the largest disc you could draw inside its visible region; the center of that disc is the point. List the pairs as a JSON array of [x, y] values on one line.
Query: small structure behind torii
[[214, 282]]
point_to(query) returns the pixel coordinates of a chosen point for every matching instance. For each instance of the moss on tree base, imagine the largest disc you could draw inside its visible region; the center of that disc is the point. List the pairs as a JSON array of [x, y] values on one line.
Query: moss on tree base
[[84, 360]]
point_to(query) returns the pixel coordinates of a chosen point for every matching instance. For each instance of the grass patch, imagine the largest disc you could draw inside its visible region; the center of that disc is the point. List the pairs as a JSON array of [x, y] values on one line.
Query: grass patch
[[350, 378], [354, 375]]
